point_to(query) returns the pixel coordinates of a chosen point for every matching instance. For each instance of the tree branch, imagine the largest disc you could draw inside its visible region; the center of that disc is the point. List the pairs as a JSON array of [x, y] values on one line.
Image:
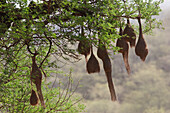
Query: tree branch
[[48, 50], [28, 48]]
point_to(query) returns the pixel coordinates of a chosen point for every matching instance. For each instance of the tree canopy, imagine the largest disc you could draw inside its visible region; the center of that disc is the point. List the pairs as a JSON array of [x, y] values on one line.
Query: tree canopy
[[52, 28]]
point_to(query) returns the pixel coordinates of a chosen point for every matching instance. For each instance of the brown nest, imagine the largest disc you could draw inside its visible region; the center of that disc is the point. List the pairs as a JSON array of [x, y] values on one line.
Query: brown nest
[[84, 48], [36, 78], [101, 51], [125, 58], [124, 49], [33, 98], [103, 55], [93, 64], [130, 35], [141, 47], [108, 71]]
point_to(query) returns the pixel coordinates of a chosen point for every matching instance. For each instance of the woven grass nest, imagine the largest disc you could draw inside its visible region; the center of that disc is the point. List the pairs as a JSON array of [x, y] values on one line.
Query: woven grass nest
[[141, 49], [36, 78], [34, 98], [121, 43], [103, 55], [130, 35], [92, 64], [101, 51], [84, 48]]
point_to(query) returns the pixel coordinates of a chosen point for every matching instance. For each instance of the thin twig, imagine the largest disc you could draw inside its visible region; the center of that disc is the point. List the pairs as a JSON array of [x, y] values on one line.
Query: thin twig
[[68, 86]]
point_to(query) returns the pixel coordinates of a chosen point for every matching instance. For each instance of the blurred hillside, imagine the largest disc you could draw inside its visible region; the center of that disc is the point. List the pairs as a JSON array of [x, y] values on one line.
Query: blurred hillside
[[148, 88]]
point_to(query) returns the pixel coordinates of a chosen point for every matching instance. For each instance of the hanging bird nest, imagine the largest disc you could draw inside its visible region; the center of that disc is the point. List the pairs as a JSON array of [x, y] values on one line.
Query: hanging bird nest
[[107, 64], [141, 47], [124, 50], [126, 61], [121, 43], [93, 64], [36, 78], [33, 99], [84, 48], [103, 55], [108, 70], [130, 35], [101, 51]]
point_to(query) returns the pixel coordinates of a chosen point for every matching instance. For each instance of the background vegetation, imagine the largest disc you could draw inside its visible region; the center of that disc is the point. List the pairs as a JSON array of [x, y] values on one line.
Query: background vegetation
[[53, 32], [146, 91]]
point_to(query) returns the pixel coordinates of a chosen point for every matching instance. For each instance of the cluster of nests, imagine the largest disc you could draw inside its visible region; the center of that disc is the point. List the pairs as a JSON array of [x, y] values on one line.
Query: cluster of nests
[[84, 48], [128, 36]]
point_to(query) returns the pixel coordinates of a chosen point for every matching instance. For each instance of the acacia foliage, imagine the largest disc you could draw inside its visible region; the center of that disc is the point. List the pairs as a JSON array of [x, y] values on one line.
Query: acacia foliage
[[61, 19], [51, 27]]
